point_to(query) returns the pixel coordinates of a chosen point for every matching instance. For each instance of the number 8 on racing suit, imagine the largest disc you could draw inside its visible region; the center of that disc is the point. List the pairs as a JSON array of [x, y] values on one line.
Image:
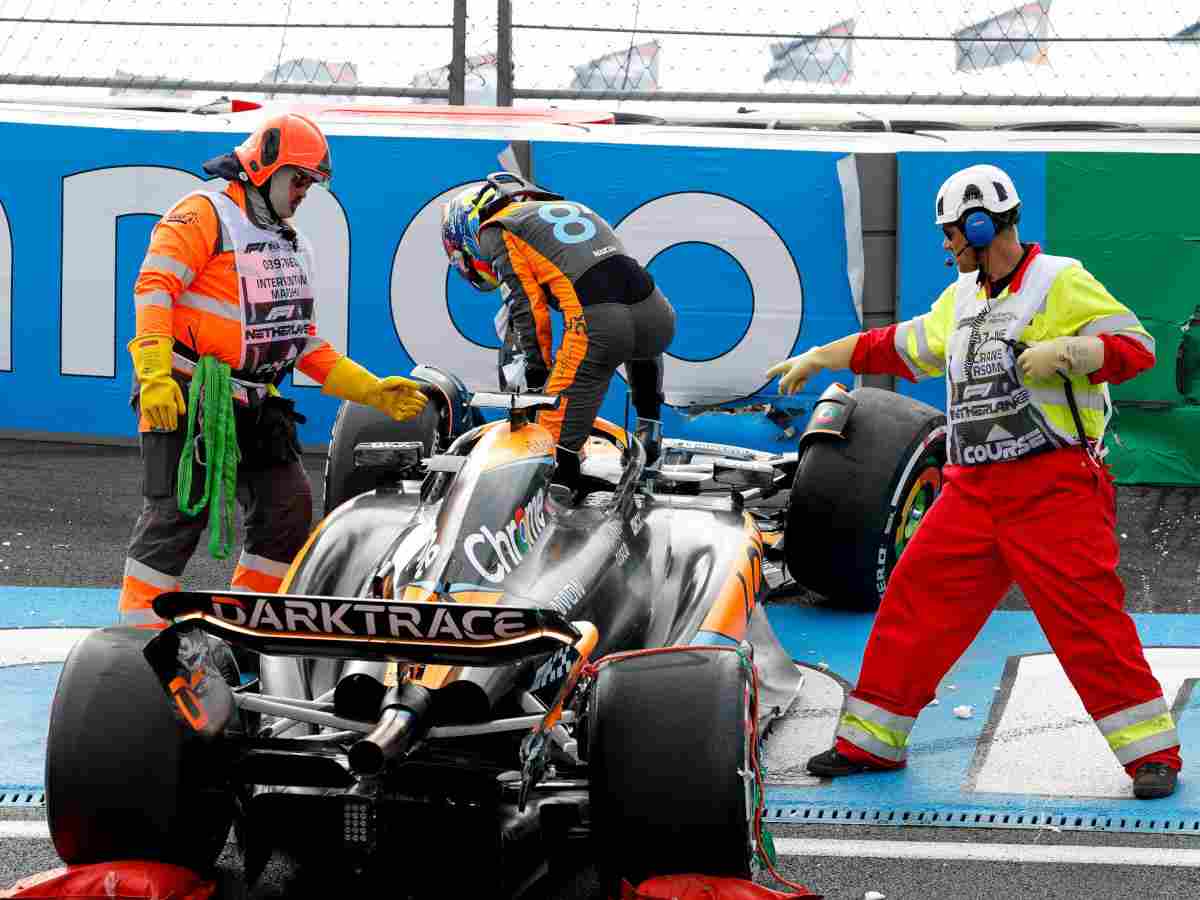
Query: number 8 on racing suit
[[544, 252]]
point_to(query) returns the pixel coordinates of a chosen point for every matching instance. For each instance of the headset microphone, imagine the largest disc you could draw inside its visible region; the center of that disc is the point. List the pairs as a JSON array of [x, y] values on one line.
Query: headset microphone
[[954, 261]]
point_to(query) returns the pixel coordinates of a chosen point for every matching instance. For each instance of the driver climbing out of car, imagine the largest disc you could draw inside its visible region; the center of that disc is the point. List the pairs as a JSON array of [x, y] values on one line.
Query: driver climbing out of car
[[544, 252], [1026, 497], [225, 299]]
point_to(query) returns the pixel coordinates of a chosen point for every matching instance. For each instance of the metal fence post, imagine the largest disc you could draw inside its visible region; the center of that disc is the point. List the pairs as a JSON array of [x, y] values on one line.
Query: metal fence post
[[504, 62], [458, 57]]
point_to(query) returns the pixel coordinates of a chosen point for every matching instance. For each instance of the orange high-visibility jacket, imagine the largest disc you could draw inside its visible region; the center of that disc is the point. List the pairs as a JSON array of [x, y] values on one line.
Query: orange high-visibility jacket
[[188, 287]]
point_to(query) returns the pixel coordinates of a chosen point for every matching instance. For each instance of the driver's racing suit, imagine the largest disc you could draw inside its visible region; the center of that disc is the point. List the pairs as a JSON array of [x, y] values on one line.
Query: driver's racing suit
[[1022, 502], [561, 255]]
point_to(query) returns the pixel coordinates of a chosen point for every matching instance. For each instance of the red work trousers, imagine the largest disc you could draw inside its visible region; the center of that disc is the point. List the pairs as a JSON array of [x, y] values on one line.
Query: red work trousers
[[1047, 522]]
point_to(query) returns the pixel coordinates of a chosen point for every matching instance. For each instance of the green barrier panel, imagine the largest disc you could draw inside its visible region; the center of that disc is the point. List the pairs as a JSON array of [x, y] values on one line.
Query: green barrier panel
[[1158, 384], [1155, 446], [1130, 218]]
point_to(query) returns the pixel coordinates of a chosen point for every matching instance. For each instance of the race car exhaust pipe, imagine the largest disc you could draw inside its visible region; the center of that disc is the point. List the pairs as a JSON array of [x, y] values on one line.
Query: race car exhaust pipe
[[359, 695], [403, 711]]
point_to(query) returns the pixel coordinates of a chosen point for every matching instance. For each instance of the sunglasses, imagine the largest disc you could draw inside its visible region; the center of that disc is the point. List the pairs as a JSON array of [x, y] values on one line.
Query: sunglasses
[[302, 179]]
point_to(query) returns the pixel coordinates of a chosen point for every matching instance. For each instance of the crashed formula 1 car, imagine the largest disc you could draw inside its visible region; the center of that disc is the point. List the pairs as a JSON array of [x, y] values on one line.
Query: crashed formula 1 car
[[466, 677]]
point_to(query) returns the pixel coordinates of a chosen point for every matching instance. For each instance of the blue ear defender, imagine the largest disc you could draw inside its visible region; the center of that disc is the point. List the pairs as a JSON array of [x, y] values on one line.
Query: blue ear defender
[[979, 228]]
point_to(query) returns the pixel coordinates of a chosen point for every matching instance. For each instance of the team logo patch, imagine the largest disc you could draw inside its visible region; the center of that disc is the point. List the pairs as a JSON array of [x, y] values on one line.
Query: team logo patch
[[494, 554], [435, 622]]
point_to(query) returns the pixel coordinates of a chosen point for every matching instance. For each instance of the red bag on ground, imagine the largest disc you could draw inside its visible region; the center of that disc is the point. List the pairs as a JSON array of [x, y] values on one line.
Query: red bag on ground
[[126, 880], [704, 887]]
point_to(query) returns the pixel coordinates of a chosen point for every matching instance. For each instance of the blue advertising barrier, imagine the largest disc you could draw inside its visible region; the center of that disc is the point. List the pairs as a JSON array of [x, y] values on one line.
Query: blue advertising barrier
[[748, 244]]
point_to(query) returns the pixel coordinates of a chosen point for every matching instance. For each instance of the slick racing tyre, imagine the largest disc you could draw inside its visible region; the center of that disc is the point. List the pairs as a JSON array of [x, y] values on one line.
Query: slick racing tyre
[[356, 424], [124, 778], [667, 743], [857, 501]]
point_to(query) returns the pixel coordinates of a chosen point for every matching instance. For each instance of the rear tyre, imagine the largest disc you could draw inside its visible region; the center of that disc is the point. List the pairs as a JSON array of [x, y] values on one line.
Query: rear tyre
[[856, 502], [355, 424], [668, 738], [124, 778]]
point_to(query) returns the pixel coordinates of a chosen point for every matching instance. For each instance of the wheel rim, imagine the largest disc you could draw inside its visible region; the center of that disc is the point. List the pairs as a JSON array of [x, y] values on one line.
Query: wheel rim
[[920, 497]]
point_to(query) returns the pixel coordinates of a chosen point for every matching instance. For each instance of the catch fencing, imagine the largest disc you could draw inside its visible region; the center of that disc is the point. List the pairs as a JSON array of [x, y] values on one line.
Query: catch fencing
[[978, 52]]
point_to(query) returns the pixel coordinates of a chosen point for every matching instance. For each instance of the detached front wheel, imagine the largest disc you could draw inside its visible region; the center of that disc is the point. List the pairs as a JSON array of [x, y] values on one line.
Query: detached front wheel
[[857, 501]]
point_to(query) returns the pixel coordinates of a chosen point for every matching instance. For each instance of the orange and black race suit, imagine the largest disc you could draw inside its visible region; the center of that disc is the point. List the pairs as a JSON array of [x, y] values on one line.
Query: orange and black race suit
[[228, 287], [560, 255]]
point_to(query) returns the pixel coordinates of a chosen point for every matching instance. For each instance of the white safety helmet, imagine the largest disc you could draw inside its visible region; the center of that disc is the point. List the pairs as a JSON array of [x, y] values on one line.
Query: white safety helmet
[[988, 190]]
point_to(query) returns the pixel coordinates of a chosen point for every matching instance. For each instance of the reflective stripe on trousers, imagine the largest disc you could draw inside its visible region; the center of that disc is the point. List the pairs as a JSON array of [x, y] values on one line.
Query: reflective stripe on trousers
[[1047, 522], [1139, 730], [258, 574], [139, 586], [874, 729]]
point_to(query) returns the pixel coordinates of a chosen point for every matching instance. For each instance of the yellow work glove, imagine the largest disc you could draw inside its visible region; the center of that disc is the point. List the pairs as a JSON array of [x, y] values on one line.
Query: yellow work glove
[[400, 398], [1069, 355], [159, 396]]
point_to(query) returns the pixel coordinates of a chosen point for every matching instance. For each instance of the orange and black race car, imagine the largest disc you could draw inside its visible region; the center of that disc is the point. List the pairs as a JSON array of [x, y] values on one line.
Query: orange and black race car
[[468, 675]]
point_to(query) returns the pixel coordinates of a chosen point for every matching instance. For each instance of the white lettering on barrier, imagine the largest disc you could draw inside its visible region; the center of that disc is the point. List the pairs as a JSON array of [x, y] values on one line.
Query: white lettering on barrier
[[1045, 743], [5, 292], [92, 203], [420, 307], [698, 217], [422, 317]]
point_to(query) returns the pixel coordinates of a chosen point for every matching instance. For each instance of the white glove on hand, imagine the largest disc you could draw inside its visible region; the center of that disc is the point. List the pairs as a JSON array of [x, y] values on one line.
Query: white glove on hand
[[1069, 355], [796, 371], [514, 375]]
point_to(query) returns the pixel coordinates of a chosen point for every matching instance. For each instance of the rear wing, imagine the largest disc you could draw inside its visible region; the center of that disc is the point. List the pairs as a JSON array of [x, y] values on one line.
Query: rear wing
[[365, 628]]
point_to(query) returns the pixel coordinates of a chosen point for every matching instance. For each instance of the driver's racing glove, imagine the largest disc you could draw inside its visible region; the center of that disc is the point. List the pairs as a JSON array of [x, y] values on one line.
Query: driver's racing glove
[[520, 377], [400, 398], [159, 396]]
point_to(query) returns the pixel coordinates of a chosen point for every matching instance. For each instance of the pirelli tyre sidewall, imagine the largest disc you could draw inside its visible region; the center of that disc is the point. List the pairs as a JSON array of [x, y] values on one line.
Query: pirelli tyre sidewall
[[125, 779], [356, 424], [667, 742], [857, 501]]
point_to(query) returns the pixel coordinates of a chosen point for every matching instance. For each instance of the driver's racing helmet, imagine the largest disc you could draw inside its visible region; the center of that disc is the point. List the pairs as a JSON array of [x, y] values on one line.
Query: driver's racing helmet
[[470, 208], [460, 236], [981, 201]]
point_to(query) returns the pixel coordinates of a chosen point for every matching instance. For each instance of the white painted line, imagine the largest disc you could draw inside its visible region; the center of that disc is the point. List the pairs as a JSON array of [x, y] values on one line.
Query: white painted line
[[23, 646], [1006, 853], [25, 829]]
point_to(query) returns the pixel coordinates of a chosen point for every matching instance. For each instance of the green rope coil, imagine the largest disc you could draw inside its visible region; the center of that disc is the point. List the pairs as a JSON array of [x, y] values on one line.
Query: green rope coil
[[211, 385]]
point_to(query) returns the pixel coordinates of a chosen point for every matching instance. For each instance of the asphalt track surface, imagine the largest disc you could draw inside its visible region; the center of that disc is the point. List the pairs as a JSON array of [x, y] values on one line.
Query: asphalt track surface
[[66, 511]]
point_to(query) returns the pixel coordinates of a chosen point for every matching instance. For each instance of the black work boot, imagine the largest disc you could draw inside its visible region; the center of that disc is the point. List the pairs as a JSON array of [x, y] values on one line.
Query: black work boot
[[832, 764], [1153, 781], [566, 467]]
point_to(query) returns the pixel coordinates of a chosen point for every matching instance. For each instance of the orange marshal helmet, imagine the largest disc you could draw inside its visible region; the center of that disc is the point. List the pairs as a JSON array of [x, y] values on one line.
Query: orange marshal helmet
[[286, 140]]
